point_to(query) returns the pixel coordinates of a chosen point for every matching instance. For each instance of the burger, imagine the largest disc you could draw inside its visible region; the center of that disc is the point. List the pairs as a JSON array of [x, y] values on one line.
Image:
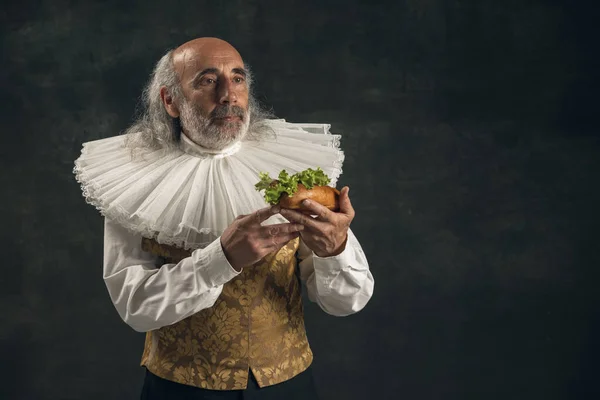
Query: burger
[[288, 191]]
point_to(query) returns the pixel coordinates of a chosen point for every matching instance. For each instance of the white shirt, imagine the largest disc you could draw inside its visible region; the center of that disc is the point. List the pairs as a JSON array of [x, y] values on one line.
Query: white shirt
[[149, 297]]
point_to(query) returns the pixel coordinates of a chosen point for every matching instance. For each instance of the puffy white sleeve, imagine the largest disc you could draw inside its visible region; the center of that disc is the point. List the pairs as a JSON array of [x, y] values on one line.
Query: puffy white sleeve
[[340, 285], [149, 296]]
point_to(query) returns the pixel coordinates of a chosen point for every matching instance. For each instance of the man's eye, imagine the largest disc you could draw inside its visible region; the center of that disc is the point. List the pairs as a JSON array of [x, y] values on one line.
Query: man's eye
[[207, 81], [238, 79]]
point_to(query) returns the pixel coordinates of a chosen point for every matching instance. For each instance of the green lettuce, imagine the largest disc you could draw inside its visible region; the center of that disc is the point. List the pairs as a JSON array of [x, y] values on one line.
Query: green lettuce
[[286, 183]]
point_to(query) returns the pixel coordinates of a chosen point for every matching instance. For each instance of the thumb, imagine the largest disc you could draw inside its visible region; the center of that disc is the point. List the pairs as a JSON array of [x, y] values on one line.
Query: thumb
[[345, 204]]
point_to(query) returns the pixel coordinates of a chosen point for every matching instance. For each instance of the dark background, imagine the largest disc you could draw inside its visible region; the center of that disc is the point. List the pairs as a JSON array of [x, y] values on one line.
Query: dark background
[[472, 153]]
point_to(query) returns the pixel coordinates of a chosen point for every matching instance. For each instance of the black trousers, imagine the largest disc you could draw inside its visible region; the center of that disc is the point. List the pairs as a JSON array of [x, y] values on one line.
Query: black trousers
[[300, 387]]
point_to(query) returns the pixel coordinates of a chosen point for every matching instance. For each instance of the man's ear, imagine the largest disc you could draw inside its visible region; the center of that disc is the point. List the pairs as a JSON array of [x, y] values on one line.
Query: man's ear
[[168, 102]]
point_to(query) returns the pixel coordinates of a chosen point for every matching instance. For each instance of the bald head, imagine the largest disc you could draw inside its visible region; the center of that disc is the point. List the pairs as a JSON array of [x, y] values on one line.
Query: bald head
[[204, 51]]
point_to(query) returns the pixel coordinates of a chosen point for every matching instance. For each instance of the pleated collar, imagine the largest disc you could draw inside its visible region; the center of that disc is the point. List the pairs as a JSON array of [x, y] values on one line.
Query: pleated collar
[[187, 197]]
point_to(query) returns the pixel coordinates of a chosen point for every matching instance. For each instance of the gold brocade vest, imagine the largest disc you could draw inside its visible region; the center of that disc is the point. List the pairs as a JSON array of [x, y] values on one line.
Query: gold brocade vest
[[256, 323]]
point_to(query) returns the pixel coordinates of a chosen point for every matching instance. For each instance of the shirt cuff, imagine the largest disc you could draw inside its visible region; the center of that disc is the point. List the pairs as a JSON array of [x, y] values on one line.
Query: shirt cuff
[[327, 268], [352, 257], [211, 263]]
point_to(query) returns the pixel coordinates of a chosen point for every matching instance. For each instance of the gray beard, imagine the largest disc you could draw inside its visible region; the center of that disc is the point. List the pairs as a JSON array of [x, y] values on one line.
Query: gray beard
[[202, 131]]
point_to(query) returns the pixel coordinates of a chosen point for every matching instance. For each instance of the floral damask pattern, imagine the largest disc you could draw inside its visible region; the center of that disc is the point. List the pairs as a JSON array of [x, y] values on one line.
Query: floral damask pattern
[[257, 323]]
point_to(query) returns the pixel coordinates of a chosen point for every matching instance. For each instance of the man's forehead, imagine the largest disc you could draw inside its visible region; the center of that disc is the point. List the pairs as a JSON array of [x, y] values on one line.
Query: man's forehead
[[202, 54]]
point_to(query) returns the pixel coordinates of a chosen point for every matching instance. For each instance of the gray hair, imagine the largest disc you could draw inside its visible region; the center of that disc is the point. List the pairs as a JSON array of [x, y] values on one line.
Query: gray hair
[[155, 129]]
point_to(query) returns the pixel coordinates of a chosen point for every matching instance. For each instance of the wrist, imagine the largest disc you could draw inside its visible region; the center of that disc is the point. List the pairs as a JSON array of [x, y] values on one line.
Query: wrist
[[227, 255], [336, 252]]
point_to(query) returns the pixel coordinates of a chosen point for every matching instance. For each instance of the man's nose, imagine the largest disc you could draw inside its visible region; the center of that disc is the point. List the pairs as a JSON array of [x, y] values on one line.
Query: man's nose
[[226, 93]]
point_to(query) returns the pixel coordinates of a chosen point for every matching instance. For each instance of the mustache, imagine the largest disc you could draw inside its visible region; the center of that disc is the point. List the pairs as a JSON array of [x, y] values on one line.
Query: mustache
[[227, 111]]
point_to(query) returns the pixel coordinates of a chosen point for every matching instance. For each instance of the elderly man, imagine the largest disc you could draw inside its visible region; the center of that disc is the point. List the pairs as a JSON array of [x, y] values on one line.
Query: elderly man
[[195, 257]]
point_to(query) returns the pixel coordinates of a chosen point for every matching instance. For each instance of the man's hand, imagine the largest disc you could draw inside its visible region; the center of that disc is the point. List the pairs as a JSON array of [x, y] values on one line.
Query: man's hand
[[326, 234], [246, 241]]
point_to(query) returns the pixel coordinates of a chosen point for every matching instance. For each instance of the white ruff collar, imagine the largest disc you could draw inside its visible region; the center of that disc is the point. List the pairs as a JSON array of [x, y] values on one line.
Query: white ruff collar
[[187, 197]]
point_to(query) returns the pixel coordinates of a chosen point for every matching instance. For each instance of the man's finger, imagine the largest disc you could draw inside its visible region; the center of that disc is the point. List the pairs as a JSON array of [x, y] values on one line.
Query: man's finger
[[280, 229], [277, 242], [345, 203], [323, 213], [259, 216], [301, 218]]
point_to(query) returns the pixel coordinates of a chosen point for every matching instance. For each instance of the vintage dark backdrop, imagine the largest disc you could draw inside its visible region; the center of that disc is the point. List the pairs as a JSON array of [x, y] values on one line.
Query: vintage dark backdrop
[[472, 154]]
